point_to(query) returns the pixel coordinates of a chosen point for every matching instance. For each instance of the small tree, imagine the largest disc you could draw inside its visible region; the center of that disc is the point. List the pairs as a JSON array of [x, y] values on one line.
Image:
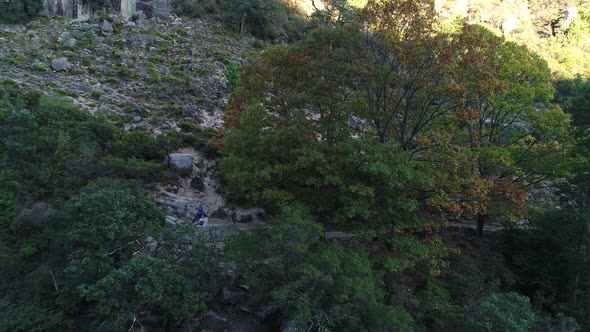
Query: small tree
[[257, 17], [509, 312], [313, 285], [18, 11]]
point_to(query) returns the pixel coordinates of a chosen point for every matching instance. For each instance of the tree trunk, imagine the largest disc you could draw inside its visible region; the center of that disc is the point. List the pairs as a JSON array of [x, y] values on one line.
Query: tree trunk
[[242, 22], [574, 294], [481, 220]]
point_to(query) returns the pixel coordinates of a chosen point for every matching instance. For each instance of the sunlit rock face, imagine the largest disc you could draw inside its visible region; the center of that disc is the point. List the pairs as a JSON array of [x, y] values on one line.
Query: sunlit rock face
[[506, 16], [128, 8], [68, 8], [81, 9], [568, 15]]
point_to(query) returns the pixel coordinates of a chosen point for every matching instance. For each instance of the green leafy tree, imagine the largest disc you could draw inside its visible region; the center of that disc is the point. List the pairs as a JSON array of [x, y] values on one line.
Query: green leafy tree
[[289, 136], [18, 11], [552, 260], [147, 281], [313, 285], [517, 136], [258, 17], [501, 312], [574, 96], [193, 8], [100, 237]]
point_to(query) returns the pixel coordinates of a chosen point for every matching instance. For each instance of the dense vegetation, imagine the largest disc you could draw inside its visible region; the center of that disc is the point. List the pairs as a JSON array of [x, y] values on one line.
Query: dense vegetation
[[18, 11], [72, 240], [382, 121]]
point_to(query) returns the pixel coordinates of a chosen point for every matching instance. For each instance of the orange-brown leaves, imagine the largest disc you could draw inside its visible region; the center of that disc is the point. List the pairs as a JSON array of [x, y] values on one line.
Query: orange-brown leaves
[[466, 115]]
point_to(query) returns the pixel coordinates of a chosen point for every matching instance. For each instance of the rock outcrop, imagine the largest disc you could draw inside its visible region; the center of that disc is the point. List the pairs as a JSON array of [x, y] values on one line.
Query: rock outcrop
[[180, 160], [60, 64]]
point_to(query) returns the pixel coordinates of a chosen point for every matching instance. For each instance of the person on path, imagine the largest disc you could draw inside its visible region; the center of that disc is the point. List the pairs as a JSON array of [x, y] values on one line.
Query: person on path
[[234, 215], [200, 211], [205, 221]]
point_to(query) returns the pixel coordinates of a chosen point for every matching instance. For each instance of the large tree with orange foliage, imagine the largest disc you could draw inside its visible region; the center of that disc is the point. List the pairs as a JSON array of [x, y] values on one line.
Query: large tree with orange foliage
[[383, 119]]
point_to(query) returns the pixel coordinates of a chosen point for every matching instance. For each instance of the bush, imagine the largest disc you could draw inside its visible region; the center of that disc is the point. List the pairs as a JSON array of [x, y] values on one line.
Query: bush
[[255, 16], [131, 168], [312, 284], [232, 74], [193, 8], [18, 11], [29, 317], [139, 144], [501, 312]]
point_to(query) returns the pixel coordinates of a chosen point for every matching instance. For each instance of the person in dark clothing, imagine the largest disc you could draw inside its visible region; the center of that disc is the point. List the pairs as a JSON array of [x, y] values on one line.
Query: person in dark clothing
[[234, 215], [200, 211]]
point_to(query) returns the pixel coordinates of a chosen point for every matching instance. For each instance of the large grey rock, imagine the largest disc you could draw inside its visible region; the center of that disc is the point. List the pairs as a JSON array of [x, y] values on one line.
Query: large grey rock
[[180, 160], [60, 64], [170, 222], [150, 319], [232, 295], [249, 215], [213, 321], [135, 107], [128, 8], [70, 43], [151, 245], [106, 27], [173, 204], [8, 29], [227, 270], [193, 325], [355, 122], [140, 15]]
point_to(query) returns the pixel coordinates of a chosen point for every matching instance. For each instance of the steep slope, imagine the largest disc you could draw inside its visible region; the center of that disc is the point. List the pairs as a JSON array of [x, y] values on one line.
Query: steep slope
[[141, 74]]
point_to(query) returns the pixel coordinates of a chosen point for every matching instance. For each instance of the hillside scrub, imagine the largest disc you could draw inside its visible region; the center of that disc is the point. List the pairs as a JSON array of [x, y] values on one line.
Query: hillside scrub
[[399, 158]]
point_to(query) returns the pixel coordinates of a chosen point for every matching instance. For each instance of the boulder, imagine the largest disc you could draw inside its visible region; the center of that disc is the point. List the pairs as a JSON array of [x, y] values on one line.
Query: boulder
[[106, 27], [227, 270], [148, 318], [232, 295], [7, 29], [216, 316], [60, 64], [140, 15], [174, 205], [249, 215], [180, 160], [70, 43], [135, 108], [193, 325], [151, 245], [355, 122], [248, 41], [170, 223], [213, 321]]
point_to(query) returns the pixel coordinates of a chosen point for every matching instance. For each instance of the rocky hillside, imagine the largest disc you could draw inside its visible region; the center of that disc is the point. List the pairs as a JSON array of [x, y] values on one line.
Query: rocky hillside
[[138, 73]]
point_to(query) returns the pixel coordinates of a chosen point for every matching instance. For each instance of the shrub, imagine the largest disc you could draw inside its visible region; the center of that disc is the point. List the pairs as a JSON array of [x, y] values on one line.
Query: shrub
[[232, 74], [131, 168], [255, 16], [16, 11], [193, 8], [139, 144], [500, 312]]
